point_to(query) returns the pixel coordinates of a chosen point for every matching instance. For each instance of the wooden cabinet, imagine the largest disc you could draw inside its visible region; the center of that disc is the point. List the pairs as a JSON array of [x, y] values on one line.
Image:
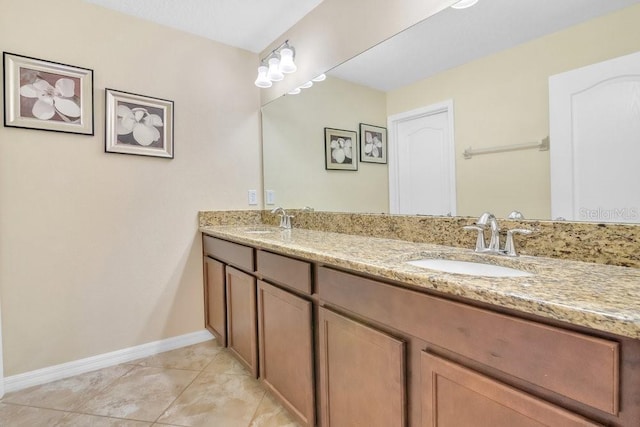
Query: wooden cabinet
[[536, 353], [391, 355], [242, 335], [454, 396], [362, 374], [215, 299], [286, 350]]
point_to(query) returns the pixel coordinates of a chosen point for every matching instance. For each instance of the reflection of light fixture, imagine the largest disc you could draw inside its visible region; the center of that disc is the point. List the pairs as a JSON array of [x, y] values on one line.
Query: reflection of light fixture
[[295, 91], [263, 80], [280, 61], [307, 85], [463, 4], [320, 78]]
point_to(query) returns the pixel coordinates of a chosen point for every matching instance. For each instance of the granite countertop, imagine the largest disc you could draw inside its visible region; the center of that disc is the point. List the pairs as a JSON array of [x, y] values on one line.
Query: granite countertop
[[602, 297]]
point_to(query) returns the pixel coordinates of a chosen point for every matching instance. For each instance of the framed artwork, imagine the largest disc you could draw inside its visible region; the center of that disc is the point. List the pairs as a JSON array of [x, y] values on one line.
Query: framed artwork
[[373, 144], [47, 95], [138, 124], [340, 149]]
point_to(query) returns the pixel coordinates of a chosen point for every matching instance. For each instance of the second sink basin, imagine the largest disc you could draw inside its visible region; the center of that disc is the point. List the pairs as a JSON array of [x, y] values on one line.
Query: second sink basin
[[258, 230], [469, 268]]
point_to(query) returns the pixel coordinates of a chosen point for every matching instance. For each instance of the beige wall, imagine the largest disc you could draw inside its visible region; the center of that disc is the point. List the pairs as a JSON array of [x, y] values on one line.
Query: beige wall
[[503, 99], [293, 139], [337, 30], [99, 252]]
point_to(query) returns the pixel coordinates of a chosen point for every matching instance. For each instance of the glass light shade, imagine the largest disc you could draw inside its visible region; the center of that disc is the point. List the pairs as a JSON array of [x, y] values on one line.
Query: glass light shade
[[286, 61], [320, 78], [295, 91], [463, 4], [262, 80], [274, 74], [307, 85]]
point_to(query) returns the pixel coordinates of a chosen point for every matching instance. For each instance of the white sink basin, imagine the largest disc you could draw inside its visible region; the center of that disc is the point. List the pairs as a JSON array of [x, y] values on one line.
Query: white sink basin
[[260, 231], [469, 268]]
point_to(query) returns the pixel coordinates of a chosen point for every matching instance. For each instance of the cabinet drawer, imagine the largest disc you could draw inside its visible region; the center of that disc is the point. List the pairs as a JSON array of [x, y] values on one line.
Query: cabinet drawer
[[578, 366], [231, 253], [286, 271]]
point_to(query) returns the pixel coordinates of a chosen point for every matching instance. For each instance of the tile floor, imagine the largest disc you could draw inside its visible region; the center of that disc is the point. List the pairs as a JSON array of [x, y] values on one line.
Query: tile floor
[[199, 385]]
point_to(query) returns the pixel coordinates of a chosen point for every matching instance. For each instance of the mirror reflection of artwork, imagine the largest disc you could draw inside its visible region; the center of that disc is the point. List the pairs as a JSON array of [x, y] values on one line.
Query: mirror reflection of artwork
[[373, 144], [340, 149]]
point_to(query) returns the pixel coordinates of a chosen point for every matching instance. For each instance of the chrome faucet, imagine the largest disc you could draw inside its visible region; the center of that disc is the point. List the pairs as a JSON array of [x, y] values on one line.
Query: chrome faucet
[[487, 219], [285, 220], [490, 219]]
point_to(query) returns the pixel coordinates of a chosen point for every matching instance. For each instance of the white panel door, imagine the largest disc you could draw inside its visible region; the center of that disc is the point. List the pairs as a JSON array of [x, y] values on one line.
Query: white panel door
[[595, 142], [423, 164]]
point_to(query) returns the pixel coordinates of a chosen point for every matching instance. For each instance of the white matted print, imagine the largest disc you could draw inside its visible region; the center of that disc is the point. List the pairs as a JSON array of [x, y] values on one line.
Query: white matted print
[[138, 124], [373, 144], [47, 95], [341, 151]]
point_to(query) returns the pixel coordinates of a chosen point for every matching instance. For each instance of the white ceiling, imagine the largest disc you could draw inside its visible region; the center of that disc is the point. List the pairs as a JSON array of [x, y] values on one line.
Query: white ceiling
[[448, 39], [247, 24], [454, 37]]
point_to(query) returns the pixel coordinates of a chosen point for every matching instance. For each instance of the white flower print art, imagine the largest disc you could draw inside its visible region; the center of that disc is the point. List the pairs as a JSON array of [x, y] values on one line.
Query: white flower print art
[[47, 95], [373, 144], [54, 97], [138, 124], [340, 149]]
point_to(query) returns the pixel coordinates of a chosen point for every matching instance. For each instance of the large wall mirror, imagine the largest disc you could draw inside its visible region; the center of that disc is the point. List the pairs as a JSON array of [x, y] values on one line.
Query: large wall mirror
[[491, 62]]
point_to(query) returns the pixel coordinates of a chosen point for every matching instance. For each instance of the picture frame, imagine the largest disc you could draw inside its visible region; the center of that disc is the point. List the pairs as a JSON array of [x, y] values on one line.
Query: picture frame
[[47, 95], [138, 124], [340, 148], [373, 144]]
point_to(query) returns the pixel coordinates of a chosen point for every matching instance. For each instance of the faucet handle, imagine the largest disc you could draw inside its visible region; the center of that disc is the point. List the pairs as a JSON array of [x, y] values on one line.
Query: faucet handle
[[480, 243], [510, 246]]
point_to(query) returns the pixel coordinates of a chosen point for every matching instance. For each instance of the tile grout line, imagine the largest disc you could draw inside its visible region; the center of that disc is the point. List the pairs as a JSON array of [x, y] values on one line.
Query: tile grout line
[[253, 417], [182, 392]]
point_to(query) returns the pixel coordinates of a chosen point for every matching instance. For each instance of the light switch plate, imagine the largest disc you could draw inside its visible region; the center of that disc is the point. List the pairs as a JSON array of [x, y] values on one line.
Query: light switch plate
[[270, 197], [253, 197]]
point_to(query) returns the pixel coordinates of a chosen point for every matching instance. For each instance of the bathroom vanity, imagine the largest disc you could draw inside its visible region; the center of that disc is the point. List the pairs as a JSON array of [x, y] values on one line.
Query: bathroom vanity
[[344, 332]]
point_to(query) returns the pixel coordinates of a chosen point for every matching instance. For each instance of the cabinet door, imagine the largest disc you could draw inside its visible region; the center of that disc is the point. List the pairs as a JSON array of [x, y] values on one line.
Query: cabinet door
[[362, 374], [242, 333], [455, 396], [215, 299], [286, 358]]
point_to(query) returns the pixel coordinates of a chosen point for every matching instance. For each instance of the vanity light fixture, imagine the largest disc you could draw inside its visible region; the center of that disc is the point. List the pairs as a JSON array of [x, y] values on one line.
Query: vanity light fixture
[[263, 80], [286, 60], [320, 78], [275, 65], [274, 73], [463, 4]]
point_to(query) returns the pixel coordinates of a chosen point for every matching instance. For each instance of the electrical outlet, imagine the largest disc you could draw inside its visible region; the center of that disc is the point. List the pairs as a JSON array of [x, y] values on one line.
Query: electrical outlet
[[271, 197], [253, 197]]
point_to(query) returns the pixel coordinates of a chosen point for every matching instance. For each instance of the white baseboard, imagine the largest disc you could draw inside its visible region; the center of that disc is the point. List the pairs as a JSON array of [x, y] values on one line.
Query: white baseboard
[[69, 369]]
